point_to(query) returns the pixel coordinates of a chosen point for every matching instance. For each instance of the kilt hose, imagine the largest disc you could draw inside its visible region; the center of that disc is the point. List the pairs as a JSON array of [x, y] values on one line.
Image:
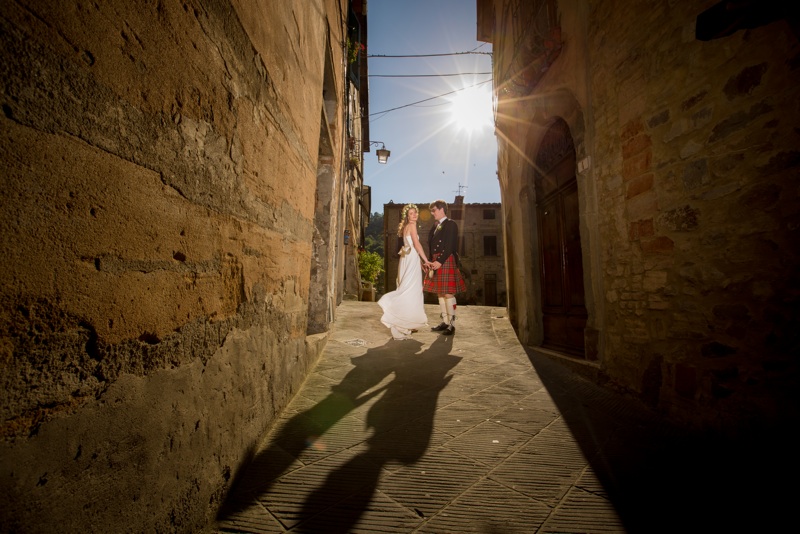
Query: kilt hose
[[446, 280]]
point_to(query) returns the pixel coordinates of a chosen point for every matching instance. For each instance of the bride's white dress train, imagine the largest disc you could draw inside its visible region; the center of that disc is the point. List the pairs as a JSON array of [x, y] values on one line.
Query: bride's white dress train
[[404, 308]]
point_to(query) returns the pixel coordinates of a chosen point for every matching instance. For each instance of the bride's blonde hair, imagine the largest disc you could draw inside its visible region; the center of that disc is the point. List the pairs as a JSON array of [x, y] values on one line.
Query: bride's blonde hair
[[404, 218]]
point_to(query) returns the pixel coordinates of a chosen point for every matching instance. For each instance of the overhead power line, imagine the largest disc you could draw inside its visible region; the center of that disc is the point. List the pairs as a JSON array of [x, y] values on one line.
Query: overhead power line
[[433, 55], [424, 75], [428, 99], [473, 52]]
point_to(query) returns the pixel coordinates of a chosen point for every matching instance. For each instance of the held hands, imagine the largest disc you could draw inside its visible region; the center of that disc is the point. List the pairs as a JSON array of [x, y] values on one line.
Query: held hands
[[430, 266]]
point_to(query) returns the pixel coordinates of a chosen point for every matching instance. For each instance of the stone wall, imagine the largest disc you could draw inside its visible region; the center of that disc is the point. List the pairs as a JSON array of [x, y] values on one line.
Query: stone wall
[[698, 171], [688, 163], [159, 165]]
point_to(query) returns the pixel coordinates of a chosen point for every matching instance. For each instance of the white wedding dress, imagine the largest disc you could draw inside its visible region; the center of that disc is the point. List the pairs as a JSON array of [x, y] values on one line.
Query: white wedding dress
[[403, 308]]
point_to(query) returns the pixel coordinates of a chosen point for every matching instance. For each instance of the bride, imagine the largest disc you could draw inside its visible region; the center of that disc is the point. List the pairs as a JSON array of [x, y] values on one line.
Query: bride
[[403, 308]]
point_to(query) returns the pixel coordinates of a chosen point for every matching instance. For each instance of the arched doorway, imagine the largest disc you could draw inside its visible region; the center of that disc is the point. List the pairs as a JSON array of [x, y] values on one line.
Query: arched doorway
[[559, 242]]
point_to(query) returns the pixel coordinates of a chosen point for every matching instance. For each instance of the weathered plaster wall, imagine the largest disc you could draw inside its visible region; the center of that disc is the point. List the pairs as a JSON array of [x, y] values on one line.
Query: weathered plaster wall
[[159, 167], [689, 203]]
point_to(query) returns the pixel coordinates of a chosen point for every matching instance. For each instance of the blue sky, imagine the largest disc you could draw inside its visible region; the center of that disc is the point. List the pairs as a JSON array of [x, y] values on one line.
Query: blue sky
[[432, 152]]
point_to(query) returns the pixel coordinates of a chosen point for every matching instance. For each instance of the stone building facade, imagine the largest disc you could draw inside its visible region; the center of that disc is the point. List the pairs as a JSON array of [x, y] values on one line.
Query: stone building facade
[[648, 162], [176, 197], [481, 248]]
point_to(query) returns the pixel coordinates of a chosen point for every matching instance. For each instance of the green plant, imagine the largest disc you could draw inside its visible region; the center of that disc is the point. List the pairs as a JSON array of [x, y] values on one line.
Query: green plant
[[354, 48], [370, 265]]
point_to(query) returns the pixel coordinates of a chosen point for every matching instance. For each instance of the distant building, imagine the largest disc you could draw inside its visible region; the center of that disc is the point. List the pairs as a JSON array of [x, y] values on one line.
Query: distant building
[[481, 248]]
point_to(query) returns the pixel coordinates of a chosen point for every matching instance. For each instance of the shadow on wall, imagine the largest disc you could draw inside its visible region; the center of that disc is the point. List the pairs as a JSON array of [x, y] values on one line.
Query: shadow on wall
[[399, 434], [662, 478]]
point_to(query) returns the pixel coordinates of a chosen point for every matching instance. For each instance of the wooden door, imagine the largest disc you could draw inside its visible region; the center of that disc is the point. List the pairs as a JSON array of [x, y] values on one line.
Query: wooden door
[[559, 243]]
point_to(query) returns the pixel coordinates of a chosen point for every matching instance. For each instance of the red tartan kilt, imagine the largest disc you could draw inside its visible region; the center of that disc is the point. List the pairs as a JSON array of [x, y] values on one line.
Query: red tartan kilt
[[446, 279]]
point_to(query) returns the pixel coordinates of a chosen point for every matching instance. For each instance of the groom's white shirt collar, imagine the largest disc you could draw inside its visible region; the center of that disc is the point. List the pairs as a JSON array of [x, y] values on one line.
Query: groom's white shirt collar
[[443, 219]]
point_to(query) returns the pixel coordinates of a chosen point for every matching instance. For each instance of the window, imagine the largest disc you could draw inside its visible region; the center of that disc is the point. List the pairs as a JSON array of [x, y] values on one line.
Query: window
[[489, 245], [488, 214], [355, 50]]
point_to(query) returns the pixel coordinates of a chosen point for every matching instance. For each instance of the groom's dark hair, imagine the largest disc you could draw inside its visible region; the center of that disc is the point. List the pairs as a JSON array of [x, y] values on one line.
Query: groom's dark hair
[[439, 204]]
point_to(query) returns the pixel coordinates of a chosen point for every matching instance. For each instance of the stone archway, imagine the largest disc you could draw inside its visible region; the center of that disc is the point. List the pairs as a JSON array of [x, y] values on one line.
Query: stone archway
[[558, 242]]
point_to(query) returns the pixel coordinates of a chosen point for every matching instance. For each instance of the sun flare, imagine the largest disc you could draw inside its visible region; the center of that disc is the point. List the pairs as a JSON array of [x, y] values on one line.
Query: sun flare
[[471, 109]]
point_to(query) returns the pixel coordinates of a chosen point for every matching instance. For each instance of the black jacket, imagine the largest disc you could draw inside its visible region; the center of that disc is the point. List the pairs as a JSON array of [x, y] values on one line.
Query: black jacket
[[444, 242]]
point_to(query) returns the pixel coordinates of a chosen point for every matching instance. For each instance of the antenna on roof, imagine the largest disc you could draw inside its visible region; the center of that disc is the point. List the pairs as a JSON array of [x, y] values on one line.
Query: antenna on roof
[[460, 187]]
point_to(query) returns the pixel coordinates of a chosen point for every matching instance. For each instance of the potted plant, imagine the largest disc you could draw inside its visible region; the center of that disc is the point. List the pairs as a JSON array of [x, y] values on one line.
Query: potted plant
[[370, 265]]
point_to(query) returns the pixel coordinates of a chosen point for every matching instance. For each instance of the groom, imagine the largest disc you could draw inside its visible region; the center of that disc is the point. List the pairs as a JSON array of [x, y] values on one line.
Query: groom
[[444, 278]]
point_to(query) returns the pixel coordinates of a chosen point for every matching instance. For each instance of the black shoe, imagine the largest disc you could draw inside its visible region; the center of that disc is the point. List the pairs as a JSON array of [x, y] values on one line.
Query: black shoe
[[442, 326], [449, 331]]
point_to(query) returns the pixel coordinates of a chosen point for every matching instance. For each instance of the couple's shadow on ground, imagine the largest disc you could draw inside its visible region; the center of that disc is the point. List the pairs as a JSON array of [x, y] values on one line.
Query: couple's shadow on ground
[[400, 422]]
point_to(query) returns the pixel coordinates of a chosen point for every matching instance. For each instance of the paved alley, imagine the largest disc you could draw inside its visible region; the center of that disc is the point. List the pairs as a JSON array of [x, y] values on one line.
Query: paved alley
[[472, 433]]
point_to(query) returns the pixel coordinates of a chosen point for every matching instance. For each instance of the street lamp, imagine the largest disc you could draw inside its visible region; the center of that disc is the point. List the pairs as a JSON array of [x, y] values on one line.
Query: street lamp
[[382, 153]]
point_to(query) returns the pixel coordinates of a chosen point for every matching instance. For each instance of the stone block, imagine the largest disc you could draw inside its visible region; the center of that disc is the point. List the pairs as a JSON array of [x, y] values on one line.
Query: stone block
[[683, 219], [695, 174], [658, 245], [654, 280], [639, 229], [738, 121], [701, 118], [745, 81], [639, 185], [693, 100], [721, 191], [691, 148], [658, 119], [761, 196], [657, 303], [642, 206], [636, 144], [726, 165], [781, 161], [677, 128], [632, 129], [637, 164]]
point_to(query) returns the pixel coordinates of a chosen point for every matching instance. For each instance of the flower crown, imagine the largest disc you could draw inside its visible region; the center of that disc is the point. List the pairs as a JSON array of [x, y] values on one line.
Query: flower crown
[[405, 210]]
